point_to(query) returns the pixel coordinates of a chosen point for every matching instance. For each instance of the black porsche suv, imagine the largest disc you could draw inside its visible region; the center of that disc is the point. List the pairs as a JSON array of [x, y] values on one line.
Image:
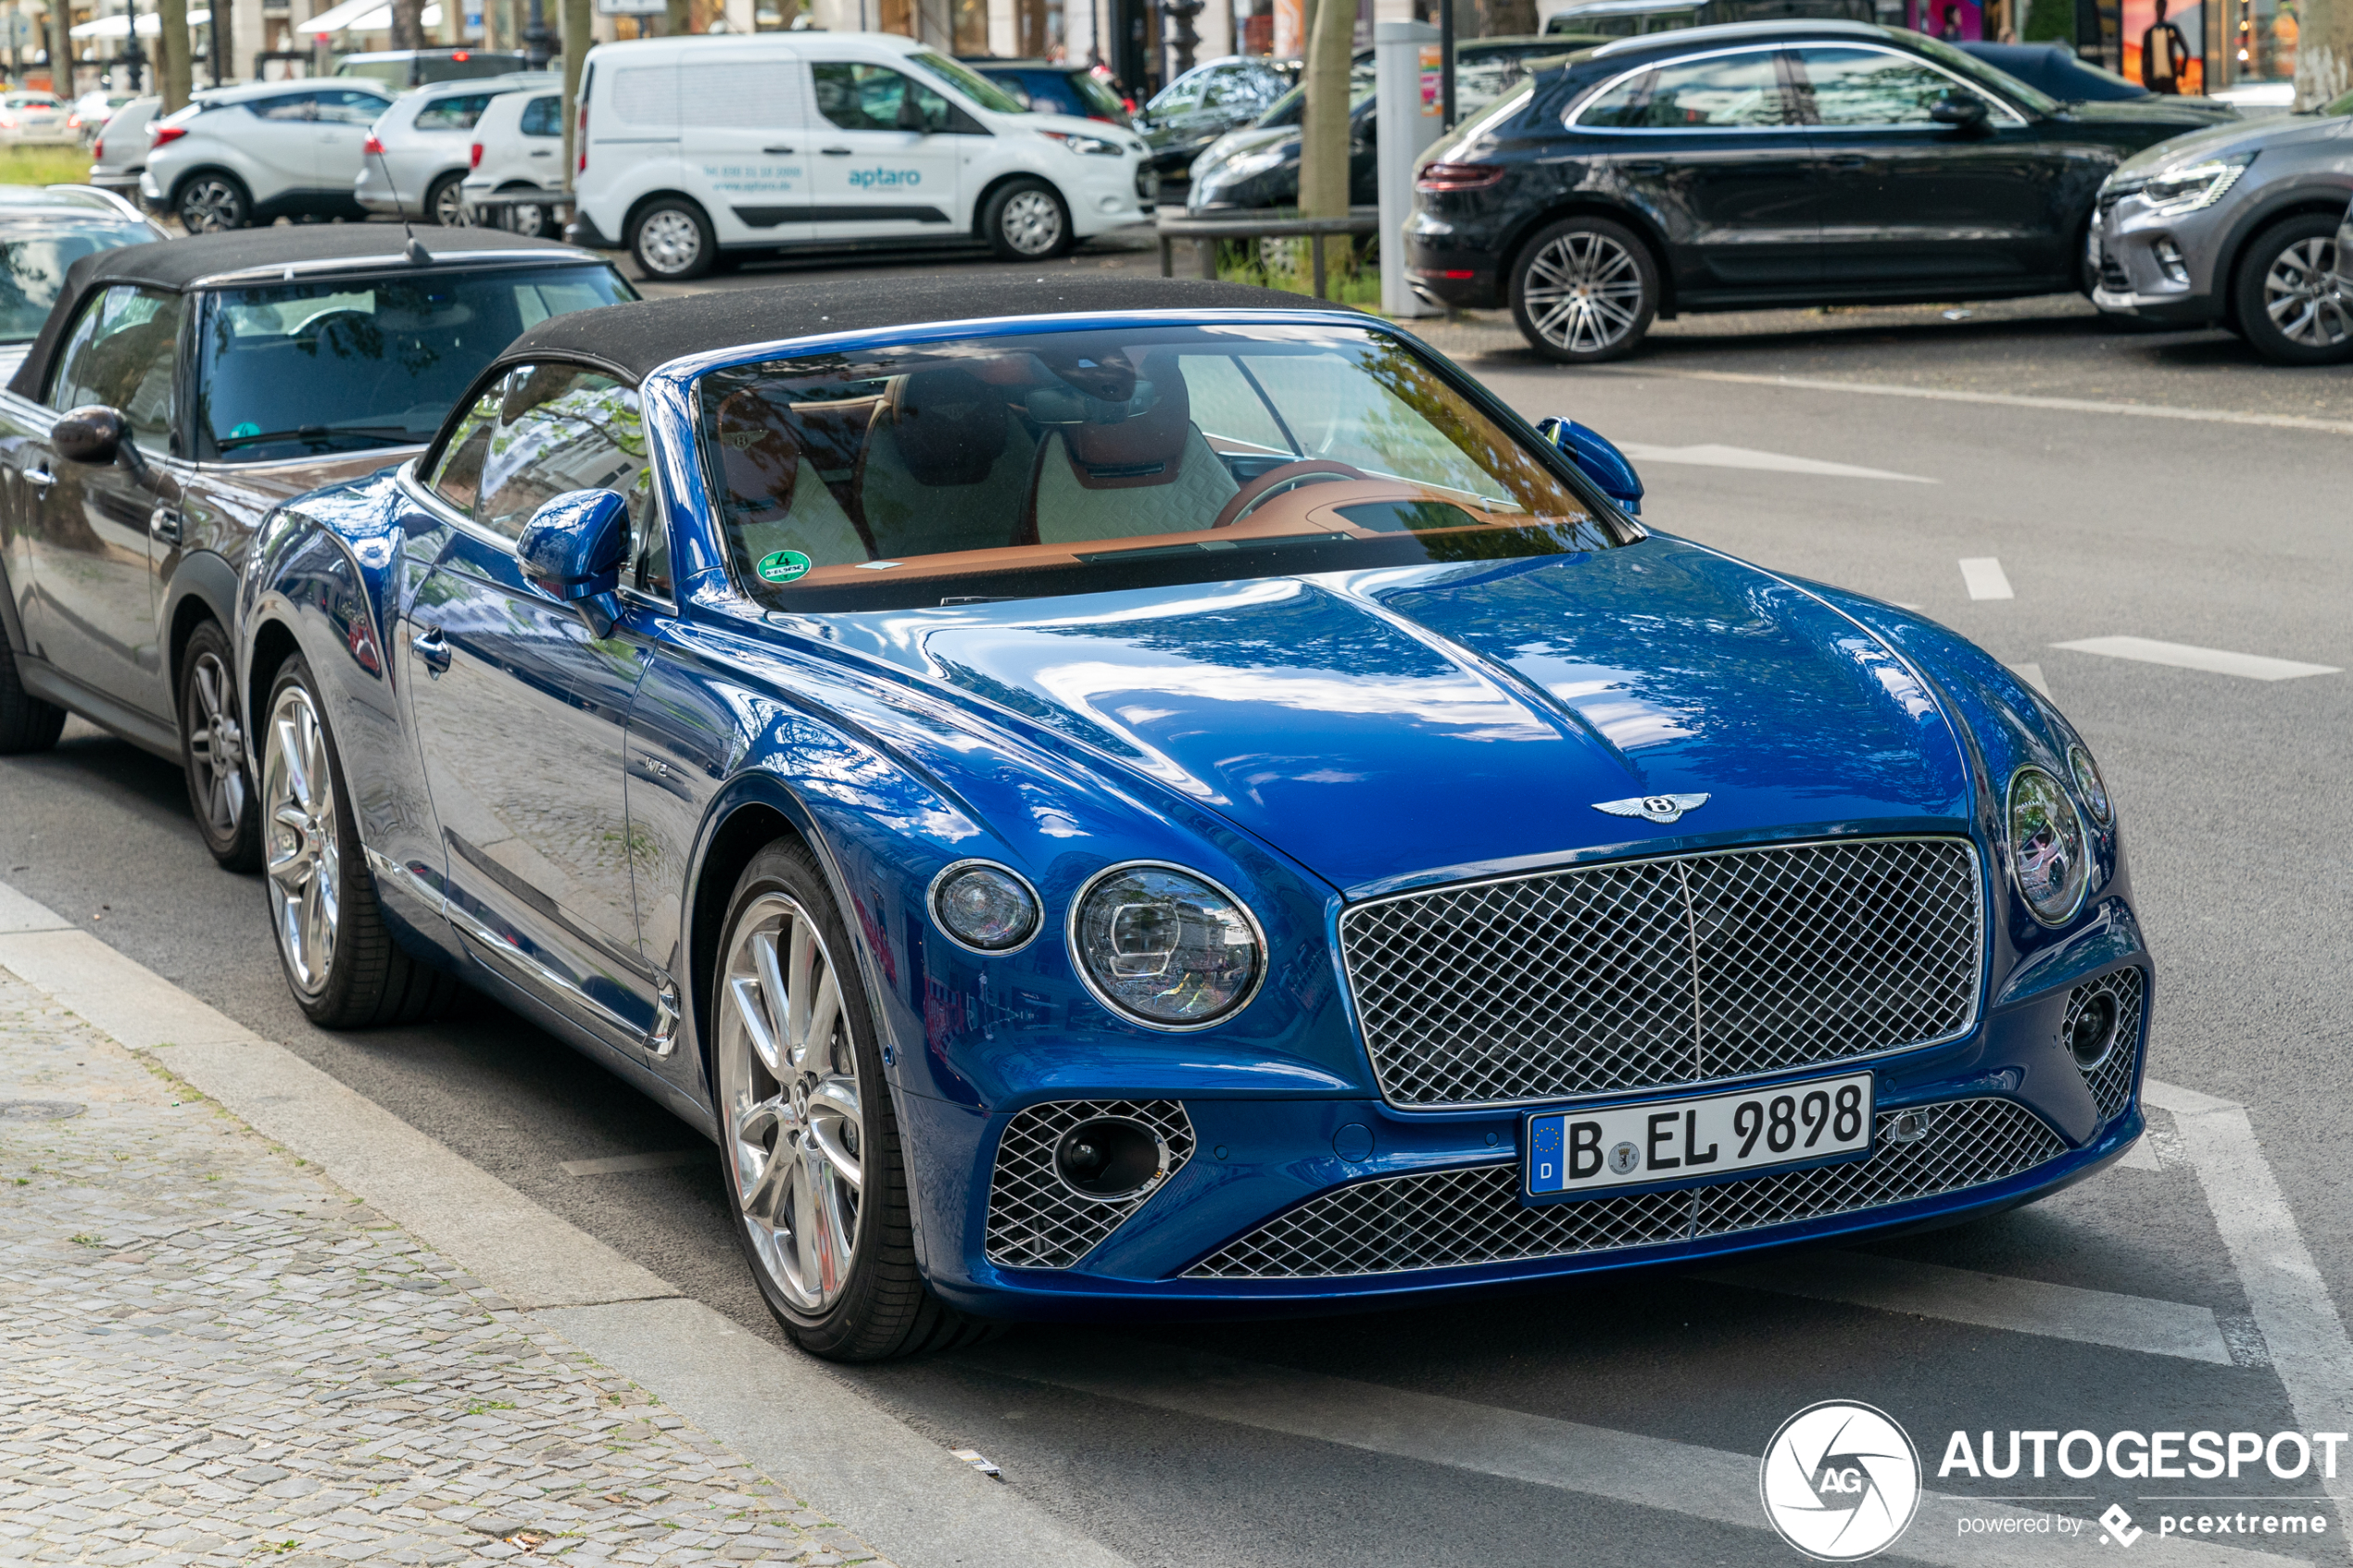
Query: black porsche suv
[[1762, 164]]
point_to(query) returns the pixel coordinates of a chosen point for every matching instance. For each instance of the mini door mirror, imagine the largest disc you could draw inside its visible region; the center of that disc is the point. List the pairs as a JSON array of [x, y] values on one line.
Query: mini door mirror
[[1598, 460], [1961, 111], [571, 548], [94, 433]]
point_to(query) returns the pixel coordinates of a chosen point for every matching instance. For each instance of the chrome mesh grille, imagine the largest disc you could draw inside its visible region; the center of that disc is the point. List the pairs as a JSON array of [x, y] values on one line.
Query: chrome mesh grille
[[2111, 1081], [1649, 973], [1450, 1219], [1035, 1221]]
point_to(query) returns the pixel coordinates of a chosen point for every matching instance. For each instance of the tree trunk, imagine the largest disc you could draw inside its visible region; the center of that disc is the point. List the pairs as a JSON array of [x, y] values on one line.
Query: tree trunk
[[408, 23], [678, 20], [222, 63], [175, 72], [1323, 162], [2323, 51], [578, 19], [60, 49]]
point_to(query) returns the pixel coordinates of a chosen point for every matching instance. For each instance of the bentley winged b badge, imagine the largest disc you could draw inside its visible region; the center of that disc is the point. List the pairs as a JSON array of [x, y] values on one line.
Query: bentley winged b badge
[[1656, 807]]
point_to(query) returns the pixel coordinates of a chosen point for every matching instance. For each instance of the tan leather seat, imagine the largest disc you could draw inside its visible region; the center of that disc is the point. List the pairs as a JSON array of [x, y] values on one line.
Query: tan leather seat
[[776, 500], [1147, 470], [944, 468]]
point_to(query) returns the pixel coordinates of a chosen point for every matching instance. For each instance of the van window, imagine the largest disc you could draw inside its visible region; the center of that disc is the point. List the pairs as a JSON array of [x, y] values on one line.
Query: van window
[[863, 97], [544, 116]]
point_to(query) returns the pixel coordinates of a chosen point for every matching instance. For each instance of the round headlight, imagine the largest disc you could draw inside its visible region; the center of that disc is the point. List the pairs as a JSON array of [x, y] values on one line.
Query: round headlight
[[2046, 846], [2088, 780], [1165, 947], [984, 907]]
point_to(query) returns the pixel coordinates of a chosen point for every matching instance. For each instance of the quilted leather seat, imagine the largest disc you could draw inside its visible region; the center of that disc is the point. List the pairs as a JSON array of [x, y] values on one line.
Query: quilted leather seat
[[1144, 470], [944, 467]]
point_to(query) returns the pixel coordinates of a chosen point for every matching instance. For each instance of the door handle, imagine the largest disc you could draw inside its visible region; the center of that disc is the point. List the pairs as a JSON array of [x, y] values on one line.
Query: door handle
[[164, 524], [433, 648], [544, 152], [40, 479], [776, 149], [834, 152]]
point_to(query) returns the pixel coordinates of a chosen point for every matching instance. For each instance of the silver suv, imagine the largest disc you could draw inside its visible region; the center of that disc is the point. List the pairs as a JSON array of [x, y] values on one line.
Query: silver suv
[[2234, 226]]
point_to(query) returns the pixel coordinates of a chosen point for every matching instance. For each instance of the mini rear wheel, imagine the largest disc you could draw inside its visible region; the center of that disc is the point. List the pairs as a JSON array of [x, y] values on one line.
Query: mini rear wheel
[[673, 241], [2290, 306], [1584, 290]]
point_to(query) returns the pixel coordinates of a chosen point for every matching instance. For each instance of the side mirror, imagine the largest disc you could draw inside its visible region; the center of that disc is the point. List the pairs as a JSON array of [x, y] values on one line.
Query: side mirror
[[1963, 111], [94, 433], [571, 551], [1598, 460]]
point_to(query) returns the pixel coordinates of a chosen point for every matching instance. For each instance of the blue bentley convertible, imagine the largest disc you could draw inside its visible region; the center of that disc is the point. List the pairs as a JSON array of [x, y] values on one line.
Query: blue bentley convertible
[[1135, 798]]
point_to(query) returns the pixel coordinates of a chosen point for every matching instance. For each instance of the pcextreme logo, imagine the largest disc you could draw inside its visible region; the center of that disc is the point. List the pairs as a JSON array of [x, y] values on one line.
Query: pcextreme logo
[[1840, 1481], [868, 179]]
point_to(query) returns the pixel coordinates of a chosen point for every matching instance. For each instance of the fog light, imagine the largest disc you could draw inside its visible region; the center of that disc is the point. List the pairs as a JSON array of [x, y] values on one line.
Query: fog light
[[1111, 1158], [2168, 261], [1908, 1126], [2093, 1035]]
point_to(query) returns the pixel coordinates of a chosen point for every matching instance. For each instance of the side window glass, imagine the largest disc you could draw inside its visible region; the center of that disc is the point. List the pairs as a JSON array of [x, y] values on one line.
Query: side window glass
[[561, 428], [860, 97], [457, 479], [1855, 87], [345, 106], [122, 354], [1720, 92], [453, 114], [543, 116], [293, 105]]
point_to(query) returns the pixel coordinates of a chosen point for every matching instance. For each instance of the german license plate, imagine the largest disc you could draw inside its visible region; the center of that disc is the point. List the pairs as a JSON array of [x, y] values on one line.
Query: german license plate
[[1579, 1151]]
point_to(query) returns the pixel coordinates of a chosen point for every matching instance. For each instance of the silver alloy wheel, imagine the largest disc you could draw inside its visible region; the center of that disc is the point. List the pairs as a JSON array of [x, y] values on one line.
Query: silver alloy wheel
[[210, 204], [789, 1083], [304, 858], [1031, 222], [669, 241], [529, 221], [1584, 292], [217, 745], [2303, 300], [449, 206]]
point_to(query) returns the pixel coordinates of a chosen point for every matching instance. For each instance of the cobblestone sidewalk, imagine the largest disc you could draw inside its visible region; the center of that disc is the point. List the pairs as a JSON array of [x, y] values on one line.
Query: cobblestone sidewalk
[[210, 1354]]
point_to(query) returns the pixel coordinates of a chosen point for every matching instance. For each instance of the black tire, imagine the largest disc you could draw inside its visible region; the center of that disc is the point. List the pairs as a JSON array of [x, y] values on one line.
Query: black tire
[[27, 723], [212, 201], [1584, 291], [2288, 309], [1027, 220], [673, 241], [363, 978], [212, 753], [881, 1308], [445, 202], [533, 222]]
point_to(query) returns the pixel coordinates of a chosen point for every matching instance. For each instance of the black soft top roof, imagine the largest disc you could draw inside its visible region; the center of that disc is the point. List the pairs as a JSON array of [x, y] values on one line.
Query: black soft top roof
[[638, 339], [176, 263]]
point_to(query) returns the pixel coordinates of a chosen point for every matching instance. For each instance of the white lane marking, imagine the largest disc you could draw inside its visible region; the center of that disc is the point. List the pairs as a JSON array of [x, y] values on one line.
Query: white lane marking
[[2253, 666], [1715, 456], [1625, 1467], [1985, 578], [613, 1165], [2291, 1303], [2009, 400], [2021, 1306], [2141, 1156], [2032, 675]]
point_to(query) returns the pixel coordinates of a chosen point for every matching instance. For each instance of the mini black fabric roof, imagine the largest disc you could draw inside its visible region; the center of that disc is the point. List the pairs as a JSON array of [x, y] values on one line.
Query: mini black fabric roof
[[637, 339], [175, 264]]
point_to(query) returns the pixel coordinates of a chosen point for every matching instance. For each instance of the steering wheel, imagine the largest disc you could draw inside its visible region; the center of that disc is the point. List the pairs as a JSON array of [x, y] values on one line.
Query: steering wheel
[[1278, 482]]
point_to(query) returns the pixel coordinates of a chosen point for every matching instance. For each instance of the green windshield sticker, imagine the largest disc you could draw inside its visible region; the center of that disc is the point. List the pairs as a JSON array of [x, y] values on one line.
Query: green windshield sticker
[[783, 566]]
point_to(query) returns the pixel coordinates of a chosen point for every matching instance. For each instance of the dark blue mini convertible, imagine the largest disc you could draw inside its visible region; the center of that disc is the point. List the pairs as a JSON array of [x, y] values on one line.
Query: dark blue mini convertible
[[1153, 798]]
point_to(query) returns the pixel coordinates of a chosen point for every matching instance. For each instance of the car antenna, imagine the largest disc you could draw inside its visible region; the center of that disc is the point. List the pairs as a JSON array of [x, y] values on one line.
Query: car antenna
[[415, 250]]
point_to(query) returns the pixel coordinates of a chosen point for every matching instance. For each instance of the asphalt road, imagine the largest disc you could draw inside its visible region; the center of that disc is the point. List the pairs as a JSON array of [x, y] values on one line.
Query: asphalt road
[[2218, 533]]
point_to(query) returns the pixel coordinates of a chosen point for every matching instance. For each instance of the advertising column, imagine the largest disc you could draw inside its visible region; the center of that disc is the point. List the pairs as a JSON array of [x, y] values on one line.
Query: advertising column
[[1408, 100]]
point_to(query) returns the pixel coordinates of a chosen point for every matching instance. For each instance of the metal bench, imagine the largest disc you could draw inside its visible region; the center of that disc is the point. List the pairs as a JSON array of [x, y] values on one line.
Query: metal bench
[[1269, 223]]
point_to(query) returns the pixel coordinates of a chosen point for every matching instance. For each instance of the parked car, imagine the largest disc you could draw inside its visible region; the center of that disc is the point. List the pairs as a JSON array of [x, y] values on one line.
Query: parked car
[[87, 115], [258, 152], [1259, 166], [175, 395], [35, 120], [1636, 18], [120, 154], [2066, 76], [399, 70], [1765, 164], [517, 151], [2235, 226], [790, 139], [416, 155], [1111, 825], [1205, 103], [1052, 87], [44, 230]]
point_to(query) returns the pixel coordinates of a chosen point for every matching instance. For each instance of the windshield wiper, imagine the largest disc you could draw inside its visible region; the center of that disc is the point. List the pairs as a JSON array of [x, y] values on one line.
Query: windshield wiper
[[383, 435]]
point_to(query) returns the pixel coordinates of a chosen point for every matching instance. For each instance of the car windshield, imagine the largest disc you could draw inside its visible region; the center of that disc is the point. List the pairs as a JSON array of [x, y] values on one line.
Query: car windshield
[[297, 370], [391, 73], [1096, 96], [33, 268], [1065, 462], [1960, 62], [968, 81], [1291, 105]]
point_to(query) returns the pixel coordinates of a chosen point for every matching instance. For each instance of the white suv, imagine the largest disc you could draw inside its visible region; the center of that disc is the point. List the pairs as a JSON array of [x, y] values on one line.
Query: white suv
[[251, 155], [416, 152], [518, 152], [692, 146]]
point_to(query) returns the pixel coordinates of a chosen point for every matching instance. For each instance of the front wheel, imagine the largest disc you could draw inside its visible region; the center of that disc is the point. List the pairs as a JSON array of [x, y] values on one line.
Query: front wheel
[[673, 242], [1584, 291], [210, 204], [2290, 306], [808, 1143], [1025, 221], [212, 752], [27, 723]]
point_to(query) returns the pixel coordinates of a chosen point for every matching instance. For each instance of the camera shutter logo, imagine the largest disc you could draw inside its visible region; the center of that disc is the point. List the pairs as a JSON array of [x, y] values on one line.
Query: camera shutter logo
[[1840, 1481]]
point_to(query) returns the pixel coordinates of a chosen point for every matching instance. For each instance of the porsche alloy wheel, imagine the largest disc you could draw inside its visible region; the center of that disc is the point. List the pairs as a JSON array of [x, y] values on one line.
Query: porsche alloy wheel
[[808, 1141], [213, 752], [2290, 306], [1584, 291], [212, 203]]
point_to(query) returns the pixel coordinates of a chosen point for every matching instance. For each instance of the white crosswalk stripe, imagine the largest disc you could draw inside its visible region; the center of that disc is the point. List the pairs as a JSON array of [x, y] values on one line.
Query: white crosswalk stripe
[[2182, 655], [1710, 456], [1985, 578]]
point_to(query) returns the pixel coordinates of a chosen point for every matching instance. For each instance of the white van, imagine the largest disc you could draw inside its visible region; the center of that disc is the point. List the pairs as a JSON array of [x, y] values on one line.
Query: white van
[[690, 148]]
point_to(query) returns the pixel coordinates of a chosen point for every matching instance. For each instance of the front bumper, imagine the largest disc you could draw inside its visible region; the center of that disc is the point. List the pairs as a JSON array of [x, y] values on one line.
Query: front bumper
[[124, 184], [2158, 269]]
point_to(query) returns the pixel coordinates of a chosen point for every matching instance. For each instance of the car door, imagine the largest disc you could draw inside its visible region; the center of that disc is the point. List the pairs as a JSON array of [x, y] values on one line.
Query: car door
[[541, 143], [744, 132], [1711, 147], [281, 141], [342, 118], [1908, 203], [518, 705], [888, 151], [91, 526]]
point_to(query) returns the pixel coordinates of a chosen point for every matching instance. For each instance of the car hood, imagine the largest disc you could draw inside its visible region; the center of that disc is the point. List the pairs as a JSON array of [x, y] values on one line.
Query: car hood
[[1071, 125], [1387, 727], [2148, 114], [1237, 144], [2237, 135]]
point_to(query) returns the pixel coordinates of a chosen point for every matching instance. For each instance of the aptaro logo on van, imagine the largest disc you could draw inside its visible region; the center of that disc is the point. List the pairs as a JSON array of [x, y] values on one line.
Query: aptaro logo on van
[[868, 179]]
